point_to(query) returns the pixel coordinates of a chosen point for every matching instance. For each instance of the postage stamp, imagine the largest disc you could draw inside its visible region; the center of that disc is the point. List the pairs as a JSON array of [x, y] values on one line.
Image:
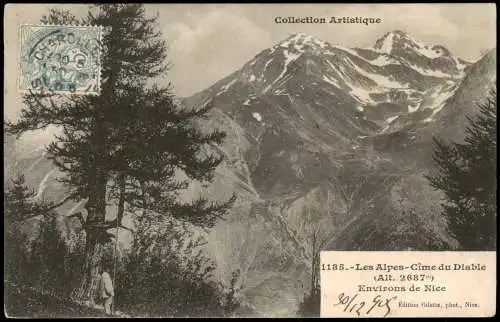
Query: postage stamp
[[61, 59]]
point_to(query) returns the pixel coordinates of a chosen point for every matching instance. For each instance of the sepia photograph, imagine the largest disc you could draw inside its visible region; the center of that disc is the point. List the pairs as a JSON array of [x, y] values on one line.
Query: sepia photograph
[[194, 160]]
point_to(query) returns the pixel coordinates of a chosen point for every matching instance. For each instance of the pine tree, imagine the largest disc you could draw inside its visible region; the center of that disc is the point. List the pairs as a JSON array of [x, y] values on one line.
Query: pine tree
[[17, 203], [128, 142], [467, 175], [47, 257], [17, 207], [20, 203]]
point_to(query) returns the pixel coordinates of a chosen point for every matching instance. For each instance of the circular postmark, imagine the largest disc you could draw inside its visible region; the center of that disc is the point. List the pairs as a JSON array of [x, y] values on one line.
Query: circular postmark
[[60, 59]]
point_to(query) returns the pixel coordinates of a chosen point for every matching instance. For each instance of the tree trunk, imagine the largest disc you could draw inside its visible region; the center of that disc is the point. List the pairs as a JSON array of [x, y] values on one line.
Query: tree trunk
[[96, 207], [121, 201], [87, 290]]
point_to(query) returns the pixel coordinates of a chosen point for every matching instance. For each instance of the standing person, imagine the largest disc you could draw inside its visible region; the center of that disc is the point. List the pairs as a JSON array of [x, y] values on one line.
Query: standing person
[[107, 292]]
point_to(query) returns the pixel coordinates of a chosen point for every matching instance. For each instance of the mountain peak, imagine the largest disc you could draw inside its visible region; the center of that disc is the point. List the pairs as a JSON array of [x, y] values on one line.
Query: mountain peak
[[298, 36], [300, 40], [399, 33], [387, 42], [397, 41]]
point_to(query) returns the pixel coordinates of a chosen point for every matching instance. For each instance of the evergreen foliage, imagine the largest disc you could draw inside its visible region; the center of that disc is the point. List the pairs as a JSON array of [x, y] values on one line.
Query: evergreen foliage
[[467, 176], [166, 274], [36, 257]]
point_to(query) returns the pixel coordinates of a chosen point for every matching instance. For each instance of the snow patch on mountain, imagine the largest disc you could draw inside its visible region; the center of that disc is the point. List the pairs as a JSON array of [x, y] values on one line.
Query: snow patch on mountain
[[226, 87], [438, 99], [347, 50], [430, 52], [268, 87], [319, 42], [75, 207], [460, 66], [331, 81], [333, 67], [361, 95], [43, 184], [257, 116], [389, 120], [289, 57], [267, 63], [397, 39], [384, 60], [428, 72], [302, 40], [37, 161], [413, 107], [435, 109], [380, 80], [386, 46]]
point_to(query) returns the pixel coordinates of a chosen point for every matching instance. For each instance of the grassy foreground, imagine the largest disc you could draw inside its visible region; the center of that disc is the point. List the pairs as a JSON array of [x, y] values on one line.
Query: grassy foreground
[[29, 303]]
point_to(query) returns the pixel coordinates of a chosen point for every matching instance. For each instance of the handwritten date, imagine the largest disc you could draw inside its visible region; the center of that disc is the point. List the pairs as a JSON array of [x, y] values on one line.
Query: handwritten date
[[352, 304]]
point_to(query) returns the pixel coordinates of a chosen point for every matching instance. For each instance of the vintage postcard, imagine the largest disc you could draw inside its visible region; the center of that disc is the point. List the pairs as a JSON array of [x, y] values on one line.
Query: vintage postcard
[[250, 160]]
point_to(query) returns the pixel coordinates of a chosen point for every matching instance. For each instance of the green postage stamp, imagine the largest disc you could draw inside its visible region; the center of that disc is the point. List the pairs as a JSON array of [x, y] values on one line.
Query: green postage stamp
[[62, 59]]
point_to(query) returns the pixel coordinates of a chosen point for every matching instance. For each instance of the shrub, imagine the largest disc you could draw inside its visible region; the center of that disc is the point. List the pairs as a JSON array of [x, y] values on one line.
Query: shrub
[[166, 275]]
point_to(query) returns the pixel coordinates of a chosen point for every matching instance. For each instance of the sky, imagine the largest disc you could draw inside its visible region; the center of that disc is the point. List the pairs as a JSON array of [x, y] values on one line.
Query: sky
[[207, 42]]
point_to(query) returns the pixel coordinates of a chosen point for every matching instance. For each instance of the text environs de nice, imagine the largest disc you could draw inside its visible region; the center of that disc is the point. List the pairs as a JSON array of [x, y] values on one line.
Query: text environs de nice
[[331, 20]]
